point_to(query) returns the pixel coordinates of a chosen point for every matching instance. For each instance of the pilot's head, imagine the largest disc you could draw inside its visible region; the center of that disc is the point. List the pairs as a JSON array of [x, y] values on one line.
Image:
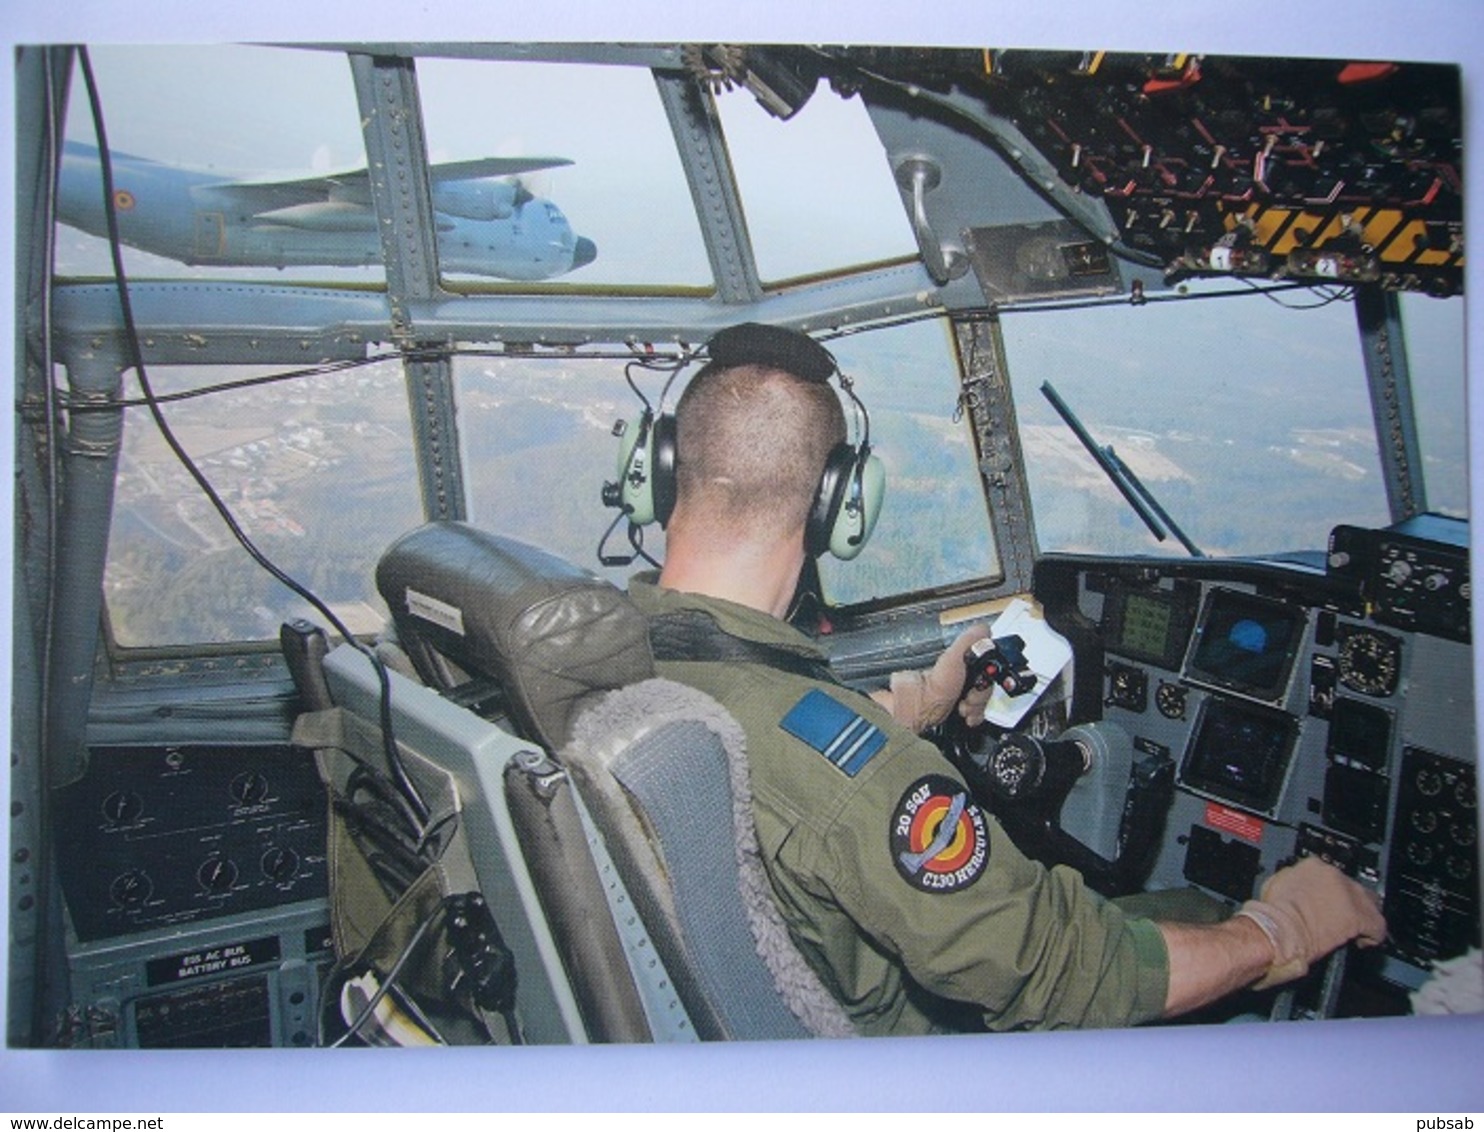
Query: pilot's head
[[753, 432]]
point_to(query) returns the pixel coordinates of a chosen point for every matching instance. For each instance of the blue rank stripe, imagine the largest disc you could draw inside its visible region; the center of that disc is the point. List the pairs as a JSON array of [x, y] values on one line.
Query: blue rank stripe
[[832, 729]]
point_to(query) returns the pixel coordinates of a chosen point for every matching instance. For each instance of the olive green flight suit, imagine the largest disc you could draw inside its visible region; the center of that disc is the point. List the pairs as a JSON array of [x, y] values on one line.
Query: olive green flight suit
[[892, 881]]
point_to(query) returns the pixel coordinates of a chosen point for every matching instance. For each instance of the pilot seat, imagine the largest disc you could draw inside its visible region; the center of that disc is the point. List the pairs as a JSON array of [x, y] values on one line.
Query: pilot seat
[[626, 795]]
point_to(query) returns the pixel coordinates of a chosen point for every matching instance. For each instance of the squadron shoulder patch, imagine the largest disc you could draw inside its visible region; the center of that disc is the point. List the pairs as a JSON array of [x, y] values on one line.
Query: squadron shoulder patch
[[832, 729], [939, 841]]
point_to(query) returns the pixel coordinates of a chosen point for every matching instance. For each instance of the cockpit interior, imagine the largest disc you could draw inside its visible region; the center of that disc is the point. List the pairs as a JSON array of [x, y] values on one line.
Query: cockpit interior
[[335, 366]]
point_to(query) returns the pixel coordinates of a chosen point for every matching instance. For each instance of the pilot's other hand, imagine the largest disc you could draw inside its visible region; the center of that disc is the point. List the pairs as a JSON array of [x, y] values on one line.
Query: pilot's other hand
[[923, 698], [1308, 910]]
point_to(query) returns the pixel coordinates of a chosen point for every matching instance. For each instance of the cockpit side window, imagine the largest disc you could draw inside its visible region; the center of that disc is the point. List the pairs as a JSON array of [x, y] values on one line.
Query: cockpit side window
[[1249, 419], [605, 201], [817, 189], [229, 162], [318, 472], [1435, 338], [538, 445], [934, 527]]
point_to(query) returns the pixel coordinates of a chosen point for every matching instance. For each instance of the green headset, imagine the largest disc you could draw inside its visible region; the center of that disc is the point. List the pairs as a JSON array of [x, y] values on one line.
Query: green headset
[[851, 489]]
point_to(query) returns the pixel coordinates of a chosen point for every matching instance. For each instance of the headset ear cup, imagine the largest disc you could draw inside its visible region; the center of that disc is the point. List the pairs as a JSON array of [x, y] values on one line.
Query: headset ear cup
[[860, 507], [662, 468], [829, 500], [635, 472], [646, 470]]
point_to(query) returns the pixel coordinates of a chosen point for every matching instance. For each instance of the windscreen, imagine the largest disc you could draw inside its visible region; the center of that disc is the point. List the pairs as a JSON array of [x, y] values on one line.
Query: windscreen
[[1247, 416]]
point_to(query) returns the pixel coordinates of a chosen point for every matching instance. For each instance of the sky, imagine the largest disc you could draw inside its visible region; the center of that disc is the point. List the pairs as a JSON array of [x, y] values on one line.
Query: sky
[[260, 113]]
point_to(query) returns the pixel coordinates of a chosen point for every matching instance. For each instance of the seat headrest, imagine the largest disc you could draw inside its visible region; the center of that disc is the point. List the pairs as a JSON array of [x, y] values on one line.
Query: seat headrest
[[549, 632]]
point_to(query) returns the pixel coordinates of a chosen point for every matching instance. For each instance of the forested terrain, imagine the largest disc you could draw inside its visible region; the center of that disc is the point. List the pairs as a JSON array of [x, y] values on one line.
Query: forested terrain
[[1260, 447]]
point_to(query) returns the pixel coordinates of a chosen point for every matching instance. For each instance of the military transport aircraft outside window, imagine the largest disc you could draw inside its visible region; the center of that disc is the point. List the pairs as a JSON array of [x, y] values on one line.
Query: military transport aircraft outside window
[[228, 121], [621, 185]]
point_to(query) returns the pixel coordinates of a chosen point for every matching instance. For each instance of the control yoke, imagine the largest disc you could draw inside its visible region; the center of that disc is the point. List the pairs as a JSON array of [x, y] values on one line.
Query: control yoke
[[1002, 661], [1025, 781]]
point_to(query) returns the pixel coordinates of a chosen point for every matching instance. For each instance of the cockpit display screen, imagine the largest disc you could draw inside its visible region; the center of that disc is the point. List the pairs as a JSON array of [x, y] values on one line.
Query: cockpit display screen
[[1246, 644], [1146, 624], [1149, 625], [1239, 753]]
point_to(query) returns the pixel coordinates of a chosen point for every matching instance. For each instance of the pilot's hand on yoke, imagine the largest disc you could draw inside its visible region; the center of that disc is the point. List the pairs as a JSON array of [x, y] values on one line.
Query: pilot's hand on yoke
[[1308, 910], [923, 698]]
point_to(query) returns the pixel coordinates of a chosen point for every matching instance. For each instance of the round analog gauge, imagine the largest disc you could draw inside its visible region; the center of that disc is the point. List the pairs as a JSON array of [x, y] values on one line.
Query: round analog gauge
[[131, 889], [217, 874], [122, 807], [249, 788], [1370, 662], [1017, 766], [1464, 794], [1170, 699], [1128, 688], [280, 864]]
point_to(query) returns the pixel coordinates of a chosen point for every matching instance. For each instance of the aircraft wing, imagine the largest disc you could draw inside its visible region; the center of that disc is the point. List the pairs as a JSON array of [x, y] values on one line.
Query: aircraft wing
[[482, 167], [342, 201], [324, 185]]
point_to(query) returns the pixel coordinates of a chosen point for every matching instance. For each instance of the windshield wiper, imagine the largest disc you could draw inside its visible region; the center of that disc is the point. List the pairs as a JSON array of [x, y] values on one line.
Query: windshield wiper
[[1139, 497]]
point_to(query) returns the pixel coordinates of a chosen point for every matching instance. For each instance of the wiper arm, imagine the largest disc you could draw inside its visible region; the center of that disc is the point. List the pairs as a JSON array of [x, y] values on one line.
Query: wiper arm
[[1139, 497]]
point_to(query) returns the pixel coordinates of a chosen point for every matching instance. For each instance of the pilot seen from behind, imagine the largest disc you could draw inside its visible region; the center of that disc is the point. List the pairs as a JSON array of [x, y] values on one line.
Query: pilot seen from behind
[[908, 900]]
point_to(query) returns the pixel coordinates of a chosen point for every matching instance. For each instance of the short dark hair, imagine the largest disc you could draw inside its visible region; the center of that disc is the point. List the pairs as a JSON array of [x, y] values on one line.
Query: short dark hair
[[751, 444]]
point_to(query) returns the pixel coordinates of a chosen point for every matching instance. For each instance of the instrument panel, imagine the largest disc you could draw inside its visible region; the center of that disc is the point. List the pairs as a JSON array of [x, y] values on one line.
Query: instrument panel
[[166, 836], [1318, 170], [196, 881], [1307, 710]]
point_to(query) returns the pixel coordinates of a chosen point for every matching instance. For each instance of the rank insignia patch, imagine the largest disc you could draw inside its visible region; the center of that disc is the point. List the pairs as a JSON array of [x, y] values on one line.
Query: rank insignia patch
[[833, 730], [939, 841]]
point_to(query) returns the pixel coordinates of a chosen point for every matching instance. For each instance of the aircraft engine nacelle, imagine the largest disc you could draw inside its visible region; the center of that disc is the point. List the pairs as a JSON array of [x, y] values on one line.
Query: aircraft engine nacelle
[[477, 200]]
